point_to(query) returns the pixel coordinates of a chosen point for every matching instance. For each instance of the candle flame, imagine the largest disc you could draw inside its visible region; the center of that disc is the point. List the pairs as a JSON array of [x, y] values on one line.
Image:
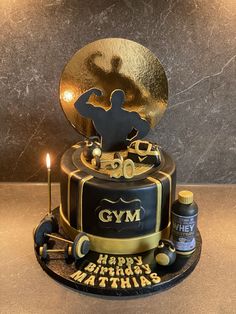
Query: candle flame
[[48, 161]]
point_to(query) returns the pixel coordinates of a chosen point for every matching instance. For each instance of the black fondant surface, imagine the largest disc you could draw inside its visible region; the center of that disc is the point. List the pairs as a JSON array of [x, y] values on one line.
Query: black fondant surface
[[123, 197], [61, 271]]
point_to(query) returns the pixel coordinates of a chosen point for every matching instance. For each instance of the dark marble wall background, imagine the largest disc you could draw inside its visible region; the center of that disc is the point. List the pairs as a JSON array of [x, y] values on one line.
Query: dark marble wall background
[[195, 41]]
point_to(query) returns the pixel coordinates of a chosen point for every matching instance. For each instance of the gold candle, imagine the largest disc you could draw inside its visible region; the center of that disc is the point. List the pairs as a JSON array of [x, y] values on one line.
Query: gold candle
[[48, 163]]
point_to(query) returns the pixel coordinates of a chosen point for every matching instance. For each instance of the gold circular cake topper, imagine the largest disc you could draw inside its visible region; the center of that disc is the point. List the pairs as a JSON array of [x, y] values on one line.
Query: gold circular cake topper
[[110, 64]]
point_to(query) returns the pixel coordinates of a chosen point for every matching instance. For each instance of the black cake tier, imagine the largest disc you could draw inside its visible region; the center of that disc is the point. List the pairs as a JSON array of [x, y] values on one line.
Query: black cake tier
[[120, 216]]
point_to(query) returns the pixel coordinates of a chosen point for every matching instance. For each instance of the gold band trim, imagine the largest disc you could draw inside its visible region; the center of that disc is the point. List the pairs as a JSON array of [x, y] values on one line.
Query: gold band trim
[[170, 196], [115, 245], [68, 191], [80, 212], [159, 201]]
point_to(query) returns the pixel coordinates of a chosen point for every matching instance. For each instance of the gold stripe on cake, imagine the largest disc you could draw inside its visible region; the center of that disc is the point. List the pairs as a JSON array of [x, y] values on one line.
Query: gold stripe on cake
[[68, 191], [159, 201], [80, 211], [170, 184], [117, 245]]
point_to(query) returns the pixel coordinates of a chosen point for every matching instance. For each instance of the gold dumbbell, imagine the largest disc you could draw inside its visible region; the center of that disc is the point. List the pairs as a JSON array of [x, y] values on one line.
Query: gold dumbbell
[[44, 251], [80, 246]]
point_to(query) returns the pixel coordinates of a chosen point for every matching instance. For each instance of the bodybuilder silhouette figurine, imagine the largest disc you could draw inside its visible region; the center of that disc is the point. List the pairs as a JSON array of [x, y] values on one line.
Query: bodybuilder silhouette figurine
[[115, 124]]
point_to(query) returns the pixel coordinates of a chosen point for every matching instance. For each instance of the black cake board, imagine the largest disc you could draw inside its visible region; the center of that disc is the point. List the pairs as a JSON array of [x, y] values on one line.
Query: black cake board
[[61, 270]]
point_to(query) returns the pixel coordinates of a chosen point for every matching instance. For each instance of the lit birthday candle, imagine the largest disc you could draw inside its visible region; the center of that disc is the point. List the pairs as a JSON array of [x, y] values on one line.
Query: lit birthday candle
[[48, 163]]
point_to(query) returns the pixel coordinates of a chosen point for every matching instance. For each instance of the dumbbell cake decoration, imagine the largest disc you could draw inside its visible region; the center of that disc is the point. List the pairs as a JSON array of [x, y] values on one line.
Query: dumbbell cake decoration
[[75, 249]]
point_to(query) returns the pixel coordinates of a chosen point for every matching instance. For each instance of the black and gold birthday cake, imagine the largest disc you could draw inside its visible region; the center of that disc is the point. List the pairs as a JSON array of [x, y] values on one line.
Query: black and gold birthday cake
[[122, 216], [116, 186]]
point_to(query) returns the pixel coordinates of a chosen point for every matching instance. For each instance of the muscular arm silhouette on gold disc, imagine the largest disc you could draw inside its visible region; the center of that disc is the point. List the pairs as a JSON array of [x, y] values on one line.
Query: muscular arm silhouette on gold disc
[[116, 126]]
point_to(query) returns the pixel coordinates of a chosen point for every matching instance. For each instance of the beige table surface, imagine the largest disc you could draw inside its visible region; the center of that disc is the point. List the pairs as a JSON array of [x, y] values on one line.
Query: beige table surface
[[26, 288]]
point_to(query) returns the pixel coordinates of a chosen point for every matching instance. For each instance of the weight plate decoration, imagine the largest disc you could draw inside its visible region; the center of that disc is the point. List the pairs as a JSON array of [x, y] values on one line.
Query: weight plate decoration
[[110, 64]]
